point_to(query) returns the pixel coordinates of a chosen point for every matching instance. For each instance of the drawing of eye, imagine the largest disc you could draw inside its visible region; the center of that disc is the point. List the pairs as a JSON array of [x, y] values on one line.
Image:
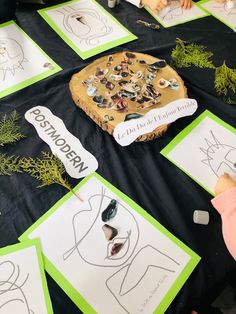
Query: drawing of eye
[[110, 211]]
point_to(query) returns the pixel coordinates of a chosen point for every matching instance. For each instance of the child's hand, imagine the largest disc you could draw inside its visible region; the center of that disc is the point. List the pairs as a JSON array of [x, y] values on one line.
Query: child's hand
[[225, 182], [155, 5], [186, 4]]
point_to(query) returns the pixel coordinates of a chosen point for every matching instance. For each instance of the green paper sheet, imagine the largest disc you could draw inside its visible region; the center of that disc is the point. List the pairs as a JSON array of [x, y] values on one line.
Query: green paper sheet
[[22, 61], [23, 282], [204, 150], [174, 14], [86, 27], [138, 266]]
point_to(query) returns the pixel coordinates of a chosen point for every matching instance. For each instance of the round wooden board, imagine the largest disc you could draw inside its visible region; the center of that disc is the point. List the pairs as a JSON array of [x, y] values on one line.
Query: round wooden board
[[109, 116]]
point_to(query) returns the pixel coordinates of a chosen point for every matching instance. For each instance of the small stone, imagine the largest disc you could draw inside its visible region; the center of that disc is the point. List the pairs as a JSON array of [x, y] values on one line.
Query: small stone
[[201, 217], [110, 85], [98, 99], [109, 232], [130, 55], [91, 90]]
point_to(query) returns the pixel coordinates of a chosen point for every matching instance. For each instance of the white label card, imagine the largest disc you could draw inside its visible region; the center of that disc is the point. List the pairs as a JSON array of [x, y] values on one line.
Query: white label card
[[51, 129], [127, 132]]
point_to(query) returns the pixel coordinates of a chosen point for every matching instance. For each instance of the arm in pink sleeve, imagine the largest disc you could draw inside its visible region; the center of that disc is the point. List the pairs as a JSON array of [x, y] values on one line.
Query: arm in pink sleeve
[[225, 204]]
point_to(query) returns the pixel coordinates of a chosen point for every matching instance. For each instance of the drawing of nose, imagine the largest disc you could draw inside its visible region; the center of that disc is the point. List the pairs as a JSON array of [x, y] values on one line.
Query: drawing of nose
[[109, 232]]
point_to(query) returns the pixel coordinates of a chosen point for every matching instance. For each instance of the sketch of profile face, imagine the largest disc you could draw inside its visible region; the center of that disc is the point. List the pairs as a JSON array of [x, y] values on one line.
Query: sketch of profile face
[[86, 24], [12, 295], [11, 56], [172, 10], [219, 157], [91, 242]]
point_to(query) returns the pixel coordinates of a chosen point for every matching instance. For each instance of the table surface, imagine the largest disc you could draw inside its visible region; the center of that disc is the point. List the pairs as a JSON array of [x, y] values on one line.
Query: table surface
[[138, 170]]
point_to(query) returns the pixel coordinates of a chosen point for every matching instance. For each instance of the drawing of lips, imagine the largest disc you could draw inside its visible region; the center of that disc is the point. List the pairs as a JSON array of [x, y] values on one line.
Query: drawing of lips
[[118, 245], [116, 248]]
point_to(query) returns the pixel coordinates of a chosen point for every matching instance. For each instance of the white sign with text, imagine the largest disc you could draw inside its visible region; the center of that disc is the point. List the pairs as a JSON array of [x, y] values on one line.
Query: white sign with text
[[68, 148], [128, 131]]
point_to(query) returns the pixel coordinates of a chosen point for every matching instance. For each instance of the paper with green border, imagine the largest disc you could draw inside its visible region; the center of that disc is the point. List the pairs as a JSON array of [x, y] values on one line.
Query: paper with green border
[[178, 139], [27, 244], [32, 79], [156, 17], [200, 4], [193, 258], [93, 51]]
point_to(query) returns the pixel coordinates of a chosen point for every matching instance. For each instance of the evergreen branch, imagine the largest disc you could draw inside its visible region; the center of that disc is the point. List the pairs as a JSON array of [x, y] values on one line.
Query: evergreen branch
[[9, 165], [185, 55], [225, 78], [9, 129], [229, 101], [48, 170]]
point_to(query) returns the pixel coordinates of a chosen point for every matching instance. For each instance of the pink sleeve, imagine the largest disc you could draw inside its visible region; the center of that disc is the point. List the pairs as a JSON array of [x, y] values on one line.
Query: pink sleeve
[[225, 204]]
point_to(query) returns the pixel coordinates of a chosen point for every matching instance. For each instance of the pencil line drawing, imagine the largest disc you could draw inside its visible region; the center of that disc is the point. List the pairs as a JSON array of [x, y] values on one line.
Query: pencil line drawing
[[11, 56], [220, 157], [223, 8], [119, 248], [86, 24], [122, 292], [124, 239], [173, 10], [11, 289]]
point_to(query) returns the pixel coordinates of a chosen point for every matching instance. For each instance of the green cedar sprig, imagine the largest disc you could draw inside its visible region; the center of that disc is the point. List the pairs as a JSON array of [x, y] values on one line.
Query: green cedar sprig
[[9, 129], [185, 55], [48, 170], [225, 78], [9, 164], [229, 101]]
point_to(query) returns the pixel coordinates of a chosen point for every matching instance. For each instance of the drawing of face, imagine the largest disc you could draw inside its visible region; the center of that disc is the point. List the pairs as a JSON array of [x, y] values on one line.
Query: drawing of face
[[173, 9], [112, 235], [226, 9], [86, 24], [219, 157], [12, 296], [11, 56]]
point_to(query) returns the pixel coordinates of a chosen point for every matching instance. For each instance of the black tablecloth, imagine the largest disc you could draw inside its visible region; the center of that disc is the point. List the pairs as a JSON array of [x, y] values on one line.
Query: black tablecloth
[[138, 170]]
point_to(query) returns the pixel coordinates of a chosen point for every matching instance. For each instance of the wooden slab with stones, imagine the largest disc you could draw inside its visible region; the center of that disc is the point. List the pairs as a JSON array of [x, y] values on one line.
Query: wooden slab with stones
[[124, 86]]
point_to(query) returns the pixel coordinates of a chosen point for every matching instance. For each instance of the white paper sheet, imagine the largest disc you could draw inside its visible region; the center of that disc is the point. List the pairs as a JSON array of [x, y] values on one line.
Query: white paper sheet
[[21, 61], [85, 24], [174, 14], [21, 290], [222, 11], [135, 279], [206, 152]]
